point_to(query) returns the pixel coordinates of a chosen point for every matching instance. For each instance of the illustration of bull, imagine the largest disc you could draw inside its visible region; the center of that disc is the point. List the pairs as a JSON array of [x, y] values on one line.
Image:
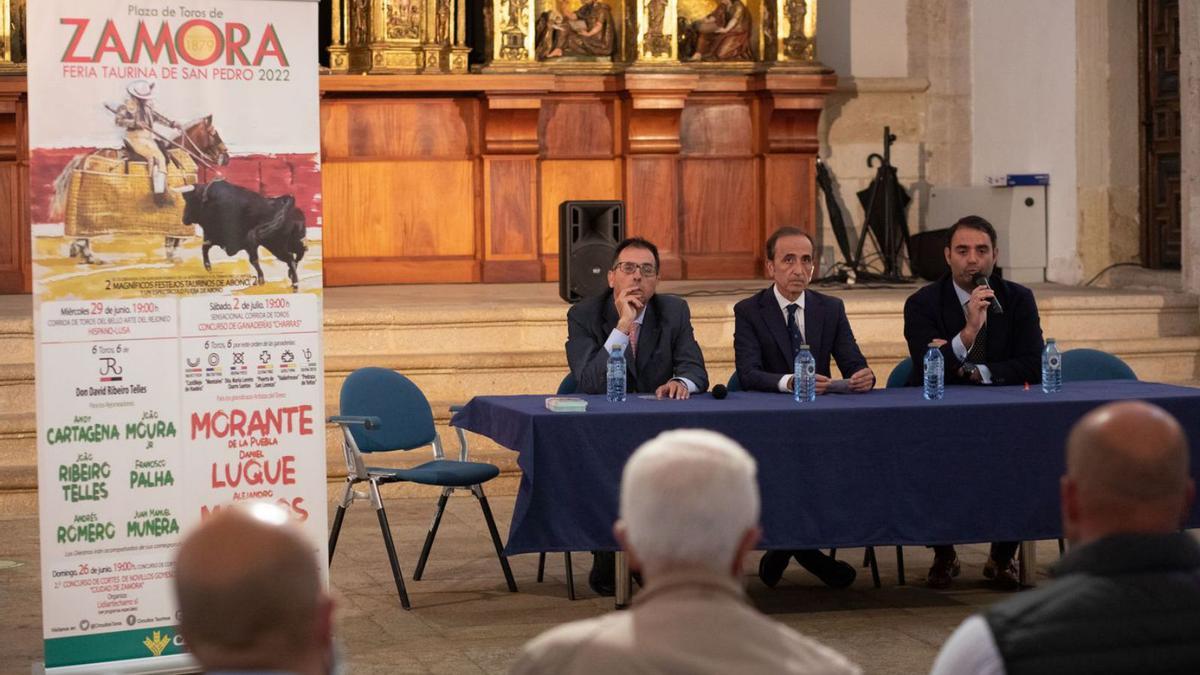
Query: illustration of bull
[[237, 219]]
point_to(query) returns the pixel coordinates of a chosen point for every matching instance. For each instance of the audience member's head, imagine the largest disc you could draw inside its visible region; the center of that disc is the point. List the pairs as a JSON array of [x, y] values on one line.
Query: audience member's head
[[1127, 472], [689, 501], [250, 594]]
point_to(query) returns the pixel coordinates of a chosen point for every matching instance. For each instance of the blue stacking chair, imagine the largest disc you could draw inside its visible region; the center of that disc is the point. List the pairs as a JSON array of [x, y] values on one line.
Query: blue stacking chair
[[565, 388], [900, 374], [1092, 364], [383, 411]]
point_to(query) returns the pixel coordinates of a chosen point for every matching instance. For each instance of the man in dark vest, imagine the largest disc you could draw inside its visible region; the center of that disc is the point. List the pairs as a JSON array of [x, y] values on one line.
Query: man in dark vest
[[1127, 595]]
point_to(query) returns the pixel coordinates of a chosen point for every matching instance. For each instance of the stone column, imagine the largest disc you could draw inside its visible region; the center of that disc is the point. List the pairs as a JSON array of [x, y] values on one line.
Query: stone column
[[1106, 134], [1189, 107], [939, 50]]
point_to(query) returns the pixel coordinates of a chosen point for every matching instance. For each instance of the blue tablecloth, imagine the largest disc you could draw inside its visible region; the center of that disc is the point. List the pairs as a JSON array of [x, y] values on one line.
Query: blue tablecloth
[[887, 467]]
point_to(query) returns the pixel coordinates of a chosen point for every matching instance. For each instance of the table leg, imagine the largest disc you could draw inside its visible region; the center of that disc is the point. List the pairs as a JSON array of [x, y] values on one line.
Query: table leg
[[624, 582], [1027, 571]]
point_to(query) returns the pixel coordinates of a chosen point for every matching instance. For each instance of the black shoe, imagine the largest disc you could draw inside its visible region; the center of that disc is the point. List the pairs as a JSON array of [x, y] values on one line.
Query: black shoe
[[1003, 575], [772, 565], [834, 573], [941, 574], [602, 578]]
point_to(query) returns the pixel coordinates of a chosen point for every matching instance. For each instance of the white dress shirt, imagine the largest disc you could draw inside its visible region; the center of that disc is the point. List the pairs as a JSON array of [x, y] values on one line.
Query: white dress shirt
[[618, 339], [960, 349], [783, 307]]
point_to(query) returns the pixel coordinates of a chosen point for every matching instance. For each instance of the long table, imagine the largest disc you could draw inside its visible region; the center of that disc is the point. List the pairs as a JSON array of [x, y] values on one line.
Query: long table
[[883, 468]]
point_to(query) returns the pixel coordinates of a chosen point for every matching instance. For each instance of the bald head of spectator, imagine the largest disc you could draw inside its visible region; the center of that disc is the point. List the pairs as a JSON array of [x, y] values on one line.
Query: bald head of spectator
[[250, 593], [1127, 472], [689, 502]]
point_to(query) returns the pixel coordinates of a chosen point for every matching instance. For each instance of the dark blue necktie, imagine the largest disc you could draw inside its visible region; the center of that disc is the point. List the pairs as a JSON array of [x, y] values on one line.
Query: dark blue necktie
[[794, 329]]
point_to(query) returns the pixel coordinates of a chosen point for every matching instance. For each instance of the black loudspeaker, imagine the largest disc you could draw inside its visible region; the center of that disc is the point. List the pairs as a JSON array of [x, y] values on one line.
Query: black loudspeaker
[[927, 254], [588, 232]]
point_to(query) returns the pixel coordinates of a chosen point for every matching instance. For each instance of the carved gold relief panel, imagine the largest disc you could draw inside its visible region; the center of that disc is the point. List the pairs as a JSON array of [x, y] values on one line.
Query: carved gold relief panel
[[797, 41], [720, 31], [657, 31], [579, 31], [12, 33], [402, 36]]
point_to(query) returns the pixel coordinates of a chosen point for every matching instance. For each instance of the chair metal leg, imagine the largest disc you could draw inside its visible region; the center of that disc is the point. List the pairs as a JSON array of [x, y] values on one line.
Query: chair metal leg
[[1062, 547], [867, 551], [900, 565], [477, 490], [542, 566], [874, 566], [570, 574], [391, 548], [433, 528], [337, 528], [833, 553], [347, 500]]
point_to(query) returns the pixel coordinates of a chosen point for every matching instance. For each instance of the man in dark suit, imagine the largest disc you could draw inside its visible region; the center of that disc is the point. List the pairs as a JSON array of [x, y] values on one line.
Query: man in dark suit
[[655, 331], [769, 328], [661, 353], [988, 335]]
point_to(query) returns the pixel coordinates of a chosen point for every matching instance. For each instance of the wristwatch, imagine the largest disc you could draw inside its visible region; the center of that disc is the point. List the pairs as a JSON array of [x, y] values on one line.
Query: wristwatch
[[969, 369]]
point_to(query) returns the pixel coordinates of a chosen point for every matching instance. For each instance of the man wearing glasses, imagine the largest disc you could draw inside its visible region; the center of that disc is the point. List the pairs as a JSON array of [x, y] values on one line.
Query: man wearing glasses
[[769, 328], [661, 354]]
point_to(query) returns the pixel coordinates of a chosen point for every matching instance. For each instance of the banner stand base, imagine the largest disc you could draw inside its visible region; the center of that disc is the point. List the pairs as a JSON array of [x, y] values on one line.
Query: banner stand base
[[162, 665]]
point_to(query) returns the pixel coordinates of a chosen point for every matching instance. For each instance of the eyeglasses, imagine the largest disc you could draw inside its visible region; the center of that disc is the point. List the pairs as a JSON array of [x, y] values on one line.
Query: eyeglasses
[[647, 269]]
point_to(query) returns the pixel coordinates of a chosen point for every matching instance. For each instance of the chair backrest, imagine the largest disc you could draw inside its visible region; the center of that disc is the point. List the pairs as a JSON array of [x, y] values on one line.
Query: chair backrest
[[900, 374], [404, 412], [567, 386], [1093, 364], [734, 383]]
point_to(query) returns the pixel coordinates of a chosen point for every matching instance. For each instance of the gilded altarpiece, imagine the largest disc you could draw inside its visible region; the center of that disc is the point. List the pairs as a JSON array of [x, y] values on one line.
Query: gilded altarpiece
[[12, 35], [436, 174], [398, 36], [598, 36]]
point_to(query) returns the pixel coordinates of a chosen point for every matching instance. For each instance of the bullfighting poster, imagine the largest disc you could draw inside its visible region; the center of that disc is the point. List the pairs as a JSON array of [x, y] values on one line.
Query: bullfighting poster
[[176, 215]]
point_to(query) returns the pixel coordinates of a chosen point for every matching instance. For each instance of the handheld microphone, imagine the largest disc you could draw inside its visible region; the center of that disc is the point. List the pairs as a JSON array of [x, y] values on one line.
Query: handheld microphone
[[720, 391], [993, 302]]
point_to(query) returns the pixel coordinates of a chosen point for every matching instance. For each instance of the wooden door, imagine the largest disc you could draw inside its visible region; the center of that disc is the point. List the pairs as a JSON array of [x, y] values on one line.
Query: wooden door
[[1160, 164]]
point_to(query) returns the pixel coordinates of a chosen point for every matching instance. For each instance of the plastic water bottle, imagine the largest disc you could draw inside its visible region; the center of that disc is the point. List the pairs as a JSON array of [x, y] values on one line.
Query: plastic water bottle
[[1051, 368], [616, 375], [935, 374], [804, 380]]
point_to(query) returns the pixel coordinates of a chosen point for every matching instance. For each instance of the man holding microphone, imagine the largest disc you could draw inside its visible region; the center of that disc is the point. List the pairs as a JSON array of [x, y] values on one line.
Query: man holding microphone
[[989, 333]]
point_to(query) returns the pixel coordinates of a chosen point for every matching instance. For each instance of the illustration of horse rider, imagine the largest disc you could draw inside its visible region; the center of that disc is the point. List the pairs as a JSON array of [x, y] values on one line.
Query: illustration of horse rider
[[138, 116]]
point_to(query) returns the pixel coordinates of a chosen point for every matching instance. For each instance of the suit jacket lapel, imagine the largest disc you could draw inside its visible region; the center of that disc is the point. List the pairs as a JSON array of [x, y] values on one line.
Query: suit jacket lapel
[[773, 317], [952, 309], [608, 317], [814, 316]]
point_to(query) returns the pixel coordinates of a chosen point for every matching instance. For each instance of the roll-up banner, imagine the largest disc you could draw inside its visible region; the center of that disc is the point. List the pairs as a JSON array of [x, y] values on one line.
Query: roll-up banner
[[176, 215]]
